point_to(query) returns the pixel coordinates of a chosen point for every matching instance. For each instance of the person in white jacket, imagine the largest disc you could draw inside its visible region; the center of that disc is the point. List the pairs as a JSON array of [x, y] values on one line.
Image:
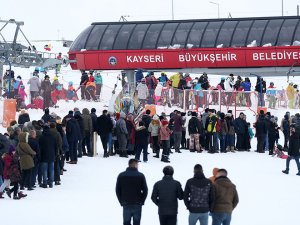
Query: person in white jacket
[[143, 92], [34, 86]]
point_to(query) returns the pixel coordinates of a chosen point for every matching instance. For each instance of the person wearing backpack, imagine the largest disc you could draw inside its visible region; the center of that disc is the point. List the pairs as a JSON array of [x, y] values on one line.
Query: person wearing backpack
[[210, 127]]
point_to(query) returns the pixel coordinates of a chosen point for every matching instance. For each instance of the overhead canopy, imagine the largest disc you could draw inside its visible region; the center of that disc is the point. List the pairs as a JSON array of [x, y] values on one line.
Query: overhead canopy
[[209, 33]]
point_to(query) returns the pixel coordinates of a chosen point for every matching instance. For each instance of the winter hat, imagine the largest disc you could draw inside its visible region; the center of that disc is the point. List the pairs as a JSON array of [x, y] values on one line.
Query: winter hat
[[164, 122], [123, 115], [46, 77], [93, 110], [168, 171], [155, 117], [11, 149], [55, 78], [70, 83], [53, 114]]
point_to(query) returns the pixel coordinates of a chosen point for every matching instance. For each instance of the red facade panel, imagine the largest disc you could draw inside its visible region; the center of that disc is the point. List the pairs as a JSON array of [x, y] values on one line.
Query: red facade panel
[[188, 58]]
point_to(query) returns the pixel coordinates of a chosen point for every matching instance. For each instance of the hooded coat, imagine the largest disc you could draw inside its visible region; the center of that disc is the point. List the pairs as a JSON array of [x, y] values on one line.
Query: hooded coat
[[25, 152], [87, 120]]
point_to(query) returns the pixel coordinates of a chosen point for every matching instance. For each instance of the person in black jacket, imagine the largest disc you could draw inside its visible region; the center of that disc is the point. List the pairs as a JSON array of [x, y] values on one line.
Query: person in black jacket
[[48, 148], [141, 142], [261, 131], [199, 196], [34, 144], [47, 117], [147, 118], [293, 152], [165, 194], [131, 191], [105, 126], [84, 79], [73, 134], [23, 117], [240, 127], [195, 129]]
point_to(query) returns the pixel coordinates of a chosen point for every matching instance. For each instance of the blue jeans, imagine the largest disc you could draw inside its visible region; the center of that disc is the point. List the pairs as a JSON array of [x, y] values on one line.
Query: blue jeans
[[288, 162], [139, 149], [229, 140], [1, 180], [34, 174], [219, 218], [132, 211], [110, 142], [47, 168], [202, 217]]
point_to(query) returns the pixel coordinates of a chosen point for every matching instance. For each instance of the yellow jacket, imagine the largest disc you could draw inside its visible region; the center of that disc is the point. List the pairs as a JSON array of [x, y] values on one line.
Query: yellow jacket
[[290, 92], [175, 80]]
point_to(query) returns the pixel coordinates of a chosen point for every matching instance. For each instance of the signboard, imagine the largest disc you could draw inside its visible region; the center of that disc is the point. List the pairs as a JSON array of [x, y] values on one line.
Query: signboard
[[188, 58]]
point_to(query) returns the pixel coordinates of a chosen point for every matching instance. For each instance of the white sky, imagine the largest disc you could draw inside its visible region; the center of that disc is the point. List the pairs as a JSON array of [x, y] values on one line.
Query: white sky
[[53, 19]]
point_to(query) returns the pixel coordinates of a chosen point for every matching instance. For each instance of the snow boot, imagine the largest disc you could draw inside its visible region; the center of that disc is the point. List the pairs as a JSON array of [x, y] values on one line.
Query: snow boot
[[298, 174], [1, 195], [232, 149], [21, 195], [285, 171], [165, 159], [16, 197], [8, 192]]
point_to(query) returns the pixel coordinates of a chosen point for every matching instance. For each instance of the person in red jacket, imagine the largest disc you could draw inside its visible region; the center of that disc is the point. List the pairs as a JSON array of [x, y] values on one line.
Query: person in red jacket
[[165, 133]]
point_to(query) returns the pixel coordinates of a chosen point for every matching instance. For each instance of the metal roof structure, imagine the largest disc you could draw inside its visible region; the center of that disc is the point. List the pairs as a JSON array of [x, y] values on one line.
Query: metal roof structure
[[204, 33]]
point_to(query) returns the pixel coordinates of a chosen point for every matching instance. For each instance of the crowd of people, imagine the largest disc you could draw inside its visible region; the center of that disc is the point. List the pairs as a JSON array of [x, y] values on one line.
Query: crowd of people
[[45, 93], [191, 93], [42, 147], [216, 195]]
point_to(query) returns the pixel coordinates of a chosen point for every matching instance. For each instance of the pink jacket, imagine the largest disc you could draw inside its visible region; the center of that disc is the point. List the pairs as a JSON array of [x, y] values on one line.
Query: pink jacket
[[164, 133]]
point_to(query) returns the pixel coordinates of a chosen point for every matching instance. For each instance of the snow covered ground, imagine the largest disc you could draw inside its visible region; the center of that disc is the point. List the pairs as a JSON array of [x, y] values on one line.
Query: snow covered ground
[[87, 194]]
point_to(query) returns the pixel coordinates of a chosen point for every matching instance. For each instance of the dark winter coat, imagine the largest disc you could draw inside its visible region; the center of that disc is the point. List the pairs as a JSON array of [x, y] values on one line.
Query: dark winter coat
[[121, 128], [47, 145], [104, 125], [230, 125], [261, 126], [73, 132], [294, 145], [47, 118], [226, 196], [1, 166], [178, 123], [46, 87], [25, 152], [34, 144], [4, 144], [84, 79], [240, 126], [272, 130], [141, 136], [195, 126], [131, 187], [87, 121], [224, 127], [66, 118], [199, 194], [94, 122], [58, 141], [81, 125], [147, 120], [165, 194], [23, 118]]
